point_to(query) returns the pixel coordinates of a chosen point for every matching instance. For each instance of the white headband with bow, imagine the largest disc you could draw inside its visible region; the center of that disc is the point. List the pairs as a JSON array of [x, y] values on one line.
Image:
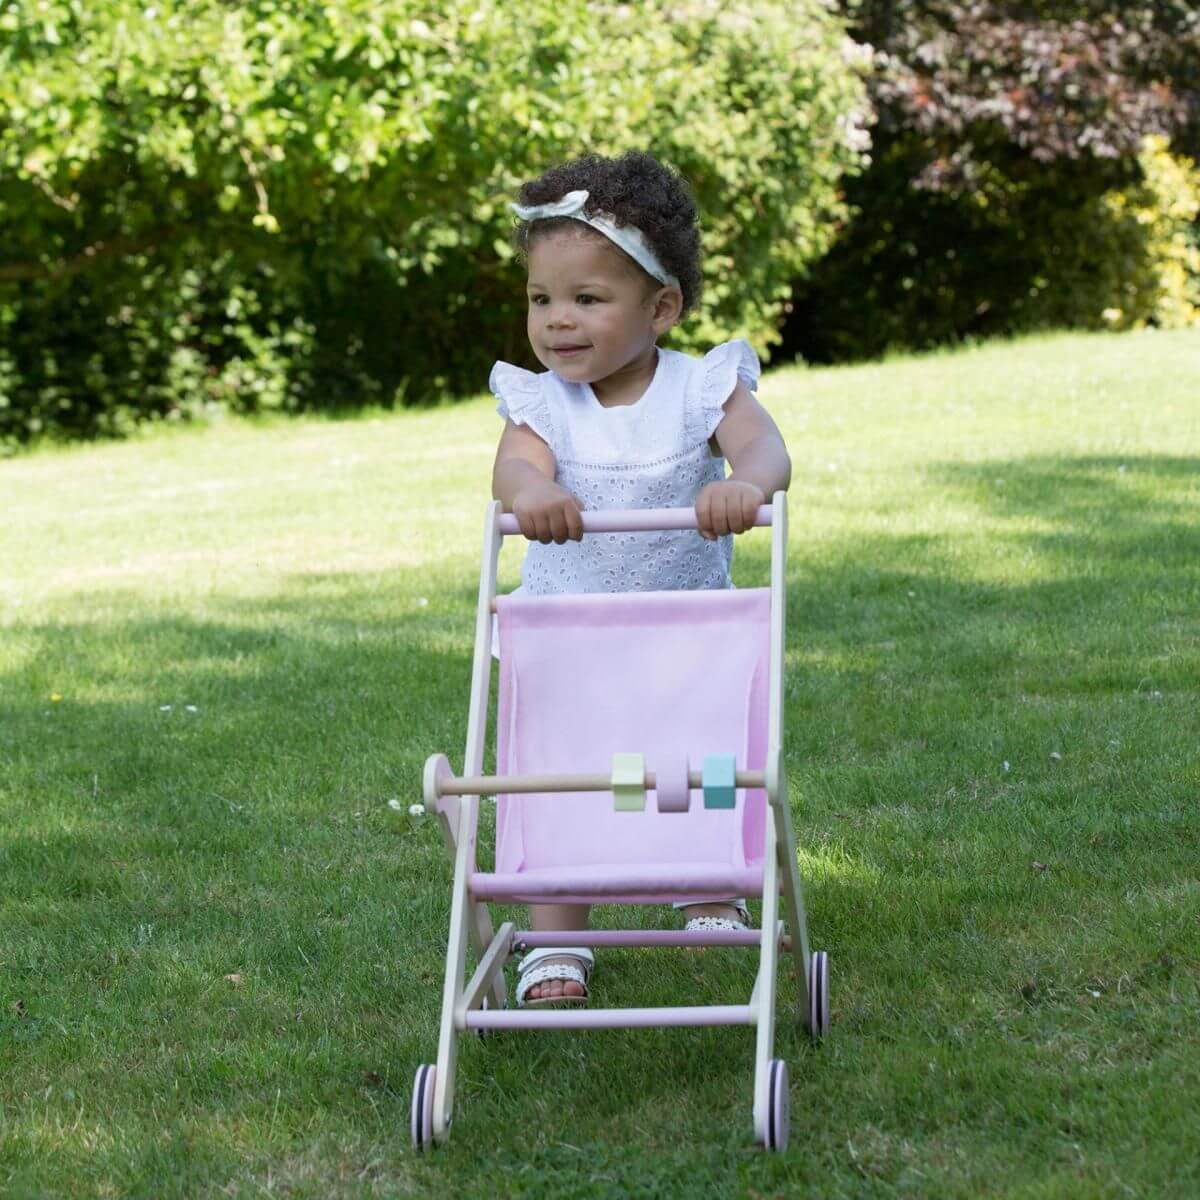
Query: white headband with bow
[[630, 239]]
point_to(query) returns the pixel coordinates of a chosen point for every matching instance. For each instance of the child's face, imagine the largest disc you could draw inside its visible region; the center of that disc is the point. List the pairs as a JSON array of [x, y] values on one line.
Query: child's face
[[590, 312]]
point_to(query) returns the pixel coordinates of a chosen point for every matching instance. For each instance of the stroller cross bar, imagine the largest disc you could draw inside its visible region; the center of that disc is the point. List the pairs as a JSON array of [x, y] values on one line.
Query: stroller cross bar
[[613, 1018], [490, 785], [635, 520]]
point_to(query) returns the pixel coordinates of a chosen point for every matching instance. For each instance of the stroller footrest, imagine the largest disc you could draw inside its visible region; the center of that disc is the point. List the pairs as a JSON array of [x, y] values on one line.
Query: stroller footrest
[[611, 1018]]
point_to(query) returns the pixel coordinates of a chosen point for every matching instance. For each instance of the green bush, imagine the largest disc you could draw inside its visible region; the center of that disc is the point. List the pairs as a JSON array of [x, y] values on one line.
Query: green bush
[[274, 206], [1036, 247], [1153, 234]]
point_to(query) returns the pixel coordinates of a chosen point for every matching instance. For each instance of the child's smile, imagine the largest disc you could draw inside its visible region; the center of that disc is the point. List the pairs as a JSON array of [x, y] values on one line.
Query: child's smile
[[593, 316]]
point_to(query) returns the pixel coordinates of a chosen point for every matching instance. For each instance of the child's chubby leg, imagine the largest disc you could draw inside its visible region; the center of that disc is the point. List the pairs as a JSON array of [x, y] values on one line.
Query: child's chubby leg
[[550, 918]]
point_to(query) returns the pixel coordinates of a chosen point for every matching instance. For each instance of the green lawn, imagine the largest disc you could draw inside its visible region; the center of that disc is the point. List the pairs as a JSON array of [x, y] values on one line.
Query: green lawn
[[223, 652]]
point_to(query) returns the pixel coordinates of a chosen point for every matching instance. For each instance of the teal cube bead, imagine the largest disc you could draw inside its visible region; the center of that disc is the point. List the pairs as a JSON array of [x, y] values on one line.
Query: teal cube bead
[[718, 776]]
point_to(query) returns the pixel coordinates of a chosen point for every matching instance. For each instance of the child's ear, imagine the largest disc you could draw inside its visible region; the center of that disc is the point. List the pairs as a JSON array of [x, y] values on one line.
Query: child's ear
[[668, 308]]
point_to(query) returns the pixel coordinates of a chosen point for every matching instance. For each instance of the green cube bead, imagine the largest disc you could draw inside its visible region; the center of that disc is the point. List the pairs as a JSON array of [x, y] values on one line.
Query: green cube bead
[[629, 782]]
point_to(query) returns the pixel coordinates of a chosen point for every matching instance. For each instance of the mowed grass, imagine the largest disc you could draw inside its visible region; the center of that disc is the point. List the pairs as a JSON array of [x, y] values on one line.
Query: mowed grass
[[224, 652]]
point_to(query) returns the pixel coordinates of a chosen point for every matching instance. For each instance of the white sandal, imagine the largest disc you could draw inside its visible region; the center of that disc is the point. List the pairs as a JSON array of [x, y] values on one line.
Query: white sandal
[[706, 924], [530, 973]]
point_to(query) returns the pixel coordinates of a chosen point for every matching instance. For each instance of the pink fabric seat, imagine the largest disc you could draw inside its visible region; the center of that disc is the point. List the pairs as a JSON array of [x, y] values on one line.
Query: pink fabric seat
[[583, 676]]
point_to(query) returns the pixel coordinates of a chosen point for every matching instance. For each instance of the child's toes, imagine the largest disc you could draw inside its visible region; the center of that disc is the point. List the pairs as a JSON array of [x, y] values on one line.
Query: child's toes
[[555, 989]]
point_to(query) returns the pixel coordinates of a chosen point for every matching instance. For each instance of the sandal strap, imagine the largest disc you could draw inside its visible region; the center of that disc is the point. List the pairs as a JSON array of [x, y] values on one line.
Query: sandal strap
[[706, 924], [723, 922], [531, 960]]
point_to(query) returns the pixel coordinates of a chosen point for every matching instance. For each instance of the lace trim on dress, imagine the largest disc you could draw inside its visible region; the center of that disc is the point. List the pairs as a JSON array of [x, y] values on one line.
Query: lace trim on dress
[[720, 371], [521, 399], [630, 468]]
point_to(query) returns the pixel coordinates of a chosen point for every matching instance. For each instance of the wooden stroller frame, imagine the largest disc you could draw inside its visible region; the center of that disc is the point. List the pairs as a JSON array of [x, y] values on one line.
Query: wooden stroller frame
[[479, 1004]]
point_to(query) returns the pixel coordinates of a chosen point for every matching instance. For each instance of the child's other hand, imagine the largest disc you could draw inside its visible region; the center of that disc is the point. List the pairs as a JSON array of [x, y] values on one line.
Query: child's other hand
[[548, 513], [728, 506]]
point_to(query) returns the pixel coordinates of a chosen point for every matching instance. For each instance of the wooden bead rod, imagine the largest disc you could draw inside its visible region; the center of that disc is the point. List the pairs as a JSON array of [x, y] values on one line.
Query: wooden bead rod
[[490, 785]]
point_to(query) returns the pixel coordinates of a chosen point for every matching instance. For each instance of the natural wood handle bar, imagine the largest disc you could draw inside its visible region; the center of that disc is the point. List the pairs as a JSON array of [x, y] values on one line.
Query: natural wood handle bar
[[489, 785]]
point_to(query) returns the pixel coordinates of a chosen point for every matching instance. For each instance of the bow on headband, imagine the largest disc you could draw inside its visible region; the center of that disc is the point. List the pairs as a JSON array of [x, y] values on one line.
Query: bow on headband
[[628, 237]]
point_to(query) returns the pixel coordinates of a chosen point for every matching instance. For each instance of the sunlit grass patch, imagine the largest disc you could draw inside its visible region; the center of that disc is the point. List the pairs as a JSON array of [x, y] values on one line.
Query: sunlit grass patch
[[225, 655]]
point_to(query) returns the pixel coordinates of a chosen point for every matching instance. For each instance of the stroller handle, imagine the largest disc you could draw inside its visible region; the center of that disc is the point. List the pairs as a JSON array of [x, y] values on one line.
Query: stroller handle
[[635, 520]]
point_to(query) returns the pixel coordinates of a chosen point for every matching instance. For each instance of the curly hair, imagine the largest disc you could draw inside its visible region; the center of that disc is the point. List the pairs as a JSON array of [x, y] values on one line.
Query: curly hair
[[636, 189]]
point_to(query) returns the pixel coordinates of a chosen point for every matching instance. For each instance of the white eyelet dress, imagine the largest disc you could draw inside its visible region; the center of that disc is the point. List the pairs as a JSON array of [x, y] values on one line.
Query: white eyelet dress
[[652, 454]]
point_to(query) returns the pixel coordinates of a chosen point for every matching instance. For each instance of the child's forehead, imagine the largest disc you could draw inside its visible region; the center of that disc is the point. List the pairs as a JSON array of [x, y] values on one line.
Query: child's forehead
[[568, 252]]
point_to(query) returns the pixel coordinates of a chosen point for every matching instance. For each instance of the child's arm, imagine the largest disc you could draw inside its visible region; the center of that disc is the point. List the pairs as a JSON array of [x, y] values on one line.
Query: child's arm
[[523, 482], [752, 443]]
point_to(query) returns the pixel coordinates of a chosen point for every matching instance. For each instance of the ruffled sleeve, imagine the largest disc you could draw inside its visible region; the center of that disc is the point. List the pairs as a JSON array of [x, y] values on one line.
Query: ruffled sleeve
[[521, 399], [719, 372]]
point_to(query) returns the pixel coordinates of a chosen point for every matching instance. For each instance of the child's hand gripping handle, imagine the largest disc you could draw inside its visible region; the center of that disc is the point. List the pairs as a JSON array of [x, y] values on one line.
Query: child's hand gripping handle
[[635, 520]]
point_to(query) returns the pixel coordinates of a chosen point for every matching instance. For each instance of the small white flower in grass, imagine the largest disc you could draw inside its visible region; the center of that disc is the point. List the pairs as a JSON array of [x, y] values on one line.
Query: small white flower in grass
[[191, 708], [1004, 765], [394, 803], [416, 810], [1055, 756], [422, 601], [165, 707]]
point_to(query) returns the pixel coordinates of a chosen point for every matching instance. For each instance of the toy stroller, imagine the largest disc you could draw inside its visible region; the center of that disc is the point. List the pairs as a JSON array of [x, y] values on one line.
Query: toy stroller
[[605, 699]]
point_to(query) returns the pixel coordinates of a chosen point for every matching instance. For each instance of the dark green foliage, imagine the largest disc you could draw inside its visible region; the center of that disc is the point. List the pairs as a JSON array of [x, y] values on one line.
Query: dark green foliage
[[1052, 248], [1020, 177]]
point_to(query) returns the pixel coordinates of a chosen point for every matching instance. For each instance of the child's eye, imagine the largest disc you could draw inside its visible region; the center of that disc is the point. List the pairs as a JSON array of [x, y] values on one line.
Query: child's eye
[[539, 299], [585, 298]]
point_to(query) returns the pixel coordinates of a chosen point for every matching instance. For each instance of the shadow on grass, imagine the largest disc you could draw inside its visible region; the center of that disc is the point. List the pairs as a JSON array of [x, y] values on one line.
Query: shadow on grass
[[1108, 513], [1085, 544], [929, 680]]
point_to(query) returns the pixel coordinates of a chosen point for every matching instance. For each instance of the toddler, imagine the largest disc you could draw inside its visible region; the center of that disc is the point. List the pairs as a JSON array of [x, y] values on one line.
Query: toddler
[[616, 421]]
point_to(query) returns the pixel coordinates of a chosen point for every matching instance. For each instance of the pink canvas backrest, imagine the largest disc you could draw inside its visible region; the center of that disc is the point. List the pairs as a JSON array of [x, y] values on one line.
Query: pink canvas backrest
[[585, 676]]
